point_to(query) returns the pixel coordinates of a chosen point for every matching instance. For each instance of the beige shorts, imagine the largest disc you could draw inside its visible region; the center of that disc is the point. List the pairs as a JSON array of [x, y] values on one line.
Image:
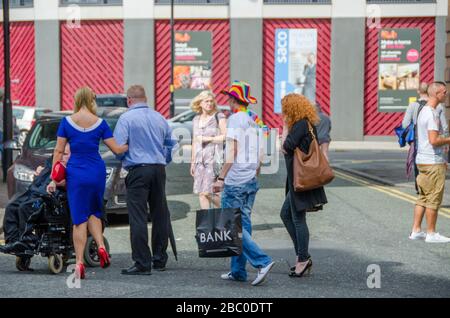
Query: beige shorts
[[431, 181]]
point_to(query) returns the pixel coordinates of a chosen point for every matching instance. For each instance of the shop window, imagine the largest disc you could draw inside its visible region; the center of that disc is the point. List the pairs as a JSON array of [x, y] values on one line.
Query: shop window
[[399, 1], [297, 1], [198, 2], [92, 2], [19, 4]]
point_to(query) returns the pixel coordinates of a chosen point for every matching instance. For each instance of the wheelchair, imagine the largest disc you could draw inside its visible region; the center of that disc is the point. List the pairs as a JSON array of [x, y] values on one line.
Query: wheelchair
[[52, 232]]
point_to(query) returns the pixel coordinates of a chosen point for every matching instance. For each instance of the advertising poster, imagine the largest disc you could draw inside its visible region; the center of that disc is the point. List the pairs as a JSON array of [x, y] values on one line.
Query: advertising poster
[[399, 68], [295, 64], [193, 63]]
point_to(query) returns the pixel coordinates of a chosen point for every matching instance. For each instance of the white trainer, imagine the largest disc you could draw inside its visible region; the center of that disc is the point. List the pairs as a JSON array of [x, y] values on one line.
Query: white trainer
[[417, 236], [436, 238], [262, 274], [227, 276]]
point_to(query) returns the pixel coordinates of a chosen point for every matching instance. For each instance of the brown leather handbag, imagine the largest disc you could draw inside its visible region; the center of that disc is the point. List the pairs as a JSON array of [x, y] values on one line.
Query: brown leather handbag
[[312, 170]]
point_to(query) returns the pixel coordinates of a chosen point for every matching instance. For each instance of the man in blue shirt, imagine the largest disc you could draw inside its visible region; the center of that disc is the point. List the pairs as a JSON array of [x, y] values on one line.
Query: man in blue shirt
[[149, 138]]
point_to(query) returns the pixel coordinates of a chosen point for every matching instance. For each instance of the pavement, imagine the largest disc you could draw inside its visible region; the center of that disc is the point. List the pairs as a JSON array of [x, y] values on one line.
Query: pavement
[[364, 227], [366, 145], [382, 166]]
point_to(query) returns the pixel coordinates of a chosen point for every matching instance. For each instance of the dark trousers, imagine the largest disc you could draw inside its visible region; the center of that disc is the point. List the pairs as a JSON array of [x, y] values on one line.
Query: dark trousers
[[16, 216], [295, 223], [147, 185], [11, 223]]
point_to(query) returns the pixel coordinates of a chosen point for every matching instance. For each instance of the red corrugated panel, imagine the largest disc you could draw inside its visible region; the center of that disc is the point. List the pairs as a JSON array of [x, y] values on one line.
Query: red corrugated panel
[[221, 57], [323, 27], [91, 55], [23, 76], [382, 124]]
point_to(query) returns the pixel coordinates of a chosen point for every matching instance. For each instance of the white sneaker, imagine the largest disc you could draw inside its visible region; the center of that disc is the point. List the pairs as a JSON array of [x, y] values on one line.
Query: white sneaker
[[417, 236], [262, 274], [227, 276], [437, 238]]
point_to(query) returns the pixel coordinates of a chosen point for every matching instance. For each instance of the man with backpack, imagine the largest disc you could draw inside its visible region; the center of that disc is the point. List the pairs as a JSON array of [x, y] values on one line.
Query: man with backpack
[[411, 115], [412, 112], [432, 166]]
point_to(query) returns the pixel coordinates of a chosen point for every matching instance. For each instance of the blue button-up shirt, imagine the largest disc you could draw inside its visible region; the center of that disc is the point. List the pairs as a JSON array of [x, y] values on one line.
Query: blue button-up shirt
[[147, 134]]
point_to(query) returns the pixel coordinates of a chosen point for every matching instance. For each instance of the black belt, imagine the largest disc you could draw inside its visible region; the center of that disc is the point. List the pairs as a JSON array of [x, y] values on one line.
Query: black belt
[[144, 165]]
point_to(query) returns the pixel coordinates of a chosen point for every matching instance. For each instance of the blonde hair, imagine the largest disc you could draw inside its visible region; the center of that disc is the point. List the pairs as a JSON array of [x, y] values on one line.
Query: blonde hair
[[136, 91], [195, 103], [297, 107], [85, 97], [423, 88]]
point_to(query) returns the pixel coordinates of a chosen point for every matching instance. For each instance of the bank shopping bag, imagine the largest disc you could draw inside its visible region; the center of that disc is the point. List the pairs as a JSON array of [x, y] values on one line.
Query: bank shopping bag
[[219, 232]]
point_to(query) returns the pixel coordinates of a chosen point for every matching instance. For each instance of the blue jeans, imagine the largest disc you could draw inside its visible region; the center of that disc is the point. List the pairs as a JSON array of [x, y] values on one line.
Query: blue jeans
[[243, 196]]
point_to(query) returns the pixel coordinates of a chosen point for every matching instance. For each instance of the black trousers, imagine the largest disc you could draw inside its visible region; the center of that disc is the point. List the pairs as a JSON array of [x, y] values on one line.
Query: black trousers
[[11, 222], [147, 185], [295, 223], [17, 222]]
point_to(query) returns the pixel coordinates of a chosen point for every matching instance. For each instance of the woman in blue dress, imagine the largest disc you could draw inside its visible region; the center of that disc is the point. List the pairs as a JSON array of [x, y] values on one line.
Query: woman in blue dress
[[86, 173]]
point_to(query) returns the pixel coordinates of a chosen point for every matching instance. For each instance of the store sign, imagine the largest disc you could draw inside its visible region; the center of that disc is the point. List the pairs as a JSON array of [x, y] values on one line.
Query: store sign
[[399, 68], [193, 63], [295, 64]]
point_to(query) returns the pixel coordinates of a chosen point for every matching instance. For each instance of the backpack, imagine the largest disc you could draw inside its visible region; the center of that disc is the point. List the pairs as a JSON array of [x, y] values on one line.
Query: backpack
[[409, 134]]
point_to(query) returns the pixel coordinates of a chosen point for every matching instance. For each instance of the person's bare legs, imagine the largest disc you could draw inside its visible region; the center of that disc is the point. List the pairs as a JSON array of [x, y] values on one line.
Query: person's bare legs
[[204, 201], [419, 212], [216, 200], [95, 227], [431, 216], [79, 241]]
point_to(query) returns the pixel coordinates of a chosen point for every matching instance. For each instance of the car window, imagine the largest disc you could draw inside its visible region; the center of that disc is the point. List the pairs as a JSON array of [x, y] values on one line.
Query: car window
[[188, 117], [44, 136], [112, 124], [18, 113], [40, 112], [111, 101]]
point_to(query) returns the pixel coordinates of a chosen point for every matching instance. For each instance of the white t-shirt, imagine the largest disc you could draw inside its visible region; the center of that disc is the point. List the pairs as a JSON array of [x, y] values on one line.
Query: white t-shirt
[[426, 153], [242, 128]]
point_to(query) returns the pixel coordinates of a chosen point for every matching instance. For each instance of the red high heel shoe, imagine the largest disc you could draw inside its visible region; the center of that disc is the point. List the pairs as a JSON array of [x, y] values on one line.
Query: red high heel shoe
[[80, 271], [104, 258]]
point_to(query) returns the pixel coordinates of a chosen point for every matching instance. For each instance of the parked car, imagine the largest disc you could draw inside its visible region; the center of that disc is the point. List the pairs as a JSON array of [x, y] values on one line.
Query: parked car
[[111, 100], [181, 124], [39, 146], [16, 137], [25, 117]]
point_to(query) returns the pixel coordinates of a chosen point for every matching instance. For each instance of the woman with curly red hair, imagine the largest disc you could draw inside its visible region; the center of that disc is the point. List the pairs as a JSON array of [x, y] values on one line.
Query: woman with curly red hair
[[298, 115]]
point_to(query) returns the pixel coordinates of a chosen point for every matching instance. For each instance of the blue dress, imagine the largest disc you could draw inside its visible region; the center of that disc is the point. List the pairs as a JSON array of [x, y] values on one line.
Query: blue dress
[[86, 171]]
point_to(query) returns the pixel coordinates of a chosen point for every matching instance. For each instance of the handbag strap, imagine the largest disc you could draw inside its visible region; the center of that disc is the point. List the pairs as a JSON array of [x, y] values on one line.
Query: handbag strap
[[311, 130]]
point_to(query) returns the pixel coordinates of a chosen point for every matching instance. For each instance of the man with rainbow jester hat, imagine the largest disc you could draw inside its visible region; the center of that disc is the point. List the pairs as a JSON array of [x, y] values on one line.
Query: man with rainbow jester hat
[[238, 178]]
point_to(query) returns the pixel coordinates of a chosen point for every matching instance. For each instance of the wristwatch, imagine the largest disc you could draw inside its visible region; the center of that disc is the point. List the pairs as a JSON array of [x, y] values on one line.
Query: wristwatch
[[221, 179]]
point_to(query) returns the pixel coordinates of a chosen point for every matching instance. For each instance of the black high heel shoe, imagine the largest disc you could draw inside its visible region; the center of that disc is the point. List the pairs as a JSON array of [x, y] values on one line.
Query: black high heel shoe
[[292, 269], [306, 270]]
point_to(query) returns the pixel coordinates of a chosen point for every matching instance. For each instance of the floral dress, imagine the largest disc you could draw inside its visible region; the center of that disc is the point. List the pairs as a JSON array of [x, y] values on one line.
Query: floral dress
[[204, 153]]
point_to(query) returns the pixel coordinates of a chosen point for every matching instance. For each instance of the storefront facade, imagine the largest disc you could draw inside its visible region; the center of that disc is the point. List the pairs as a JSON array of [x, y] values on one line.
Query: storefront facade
[[22, 63], [109, 47]]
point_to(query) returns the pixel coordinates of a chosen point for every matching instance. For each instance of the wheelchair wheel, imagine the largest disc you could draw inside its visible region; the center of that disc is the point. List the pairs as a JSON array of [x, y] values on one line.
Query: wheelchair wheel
[[23, 263], [90, 252], [55, 263]]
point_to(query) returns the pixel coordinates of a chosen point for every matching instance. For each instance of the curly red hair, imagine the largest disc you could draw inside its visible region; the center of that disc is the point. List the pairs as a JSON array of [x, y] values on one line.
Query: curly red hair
[[296, 107]]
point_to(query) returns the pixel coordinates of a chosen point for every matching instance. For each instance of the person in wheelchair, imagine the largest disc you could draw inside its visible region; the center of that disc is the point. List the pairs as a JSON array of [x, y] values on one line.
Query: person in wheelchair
[[25, 209]]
